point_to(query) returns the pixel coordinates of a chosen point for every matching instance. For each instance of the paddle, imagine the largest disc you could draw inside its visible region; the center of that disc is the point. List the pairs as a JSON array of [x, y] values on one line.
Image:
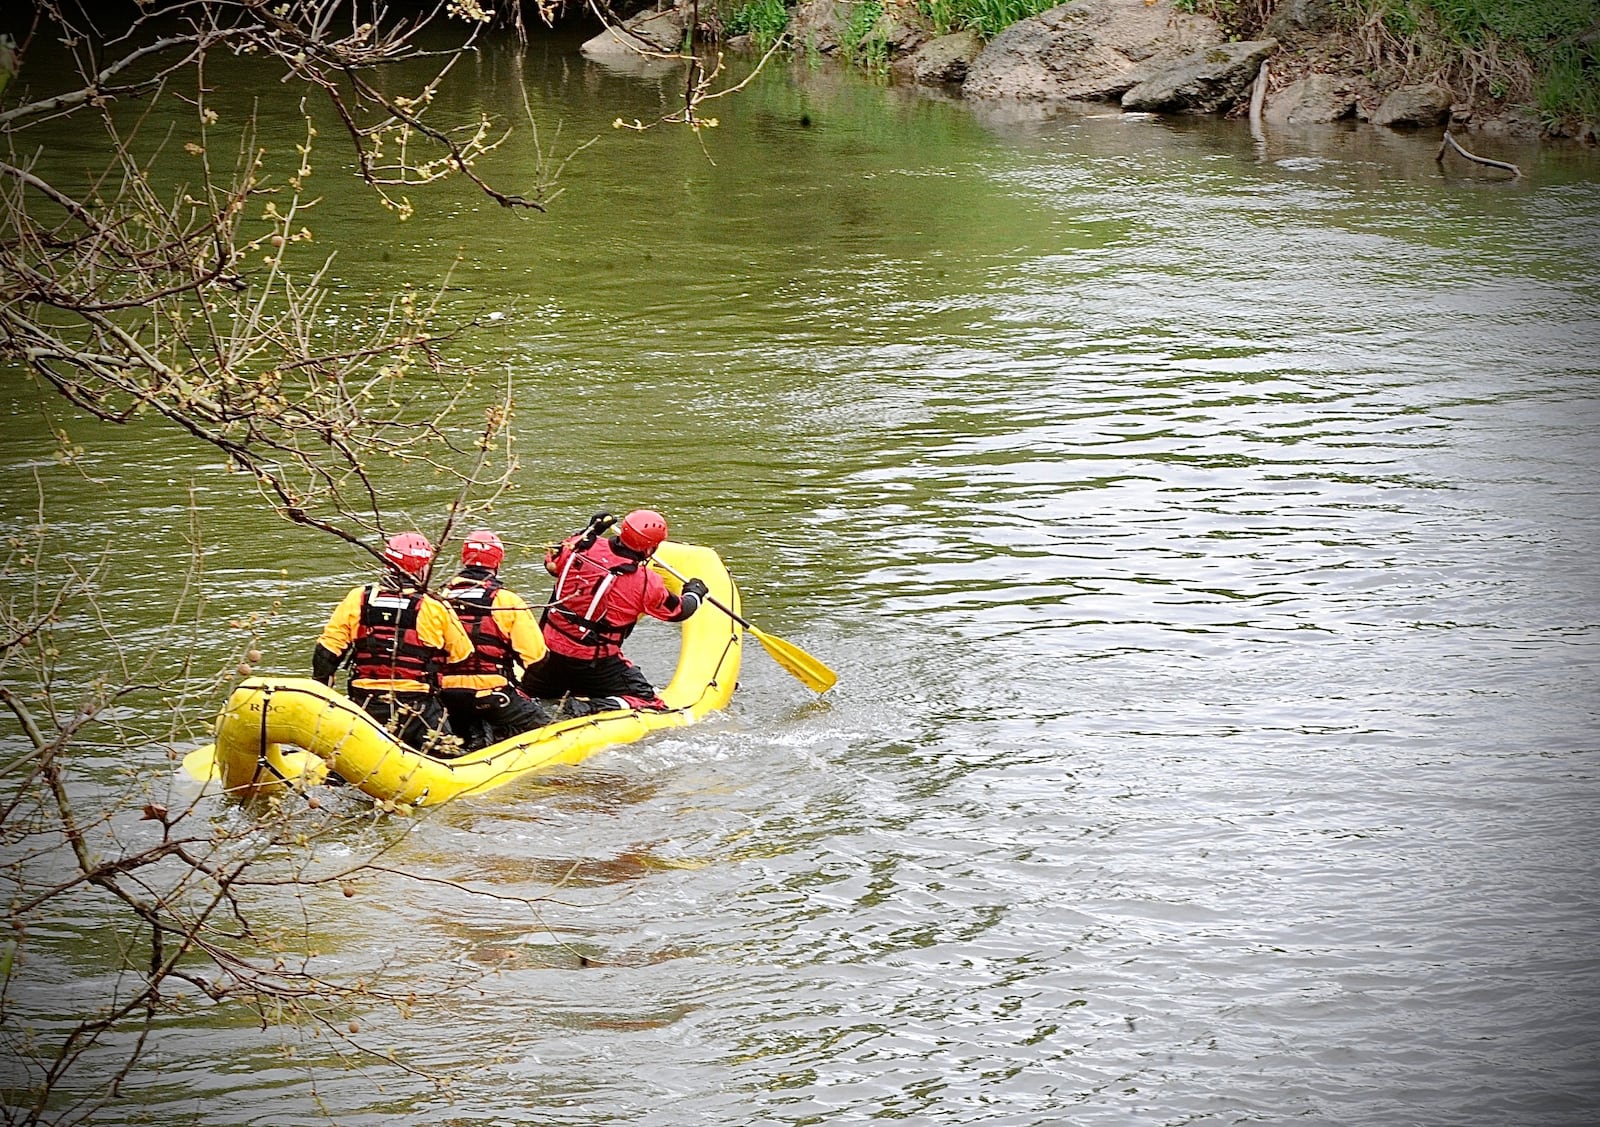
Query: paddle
[[806, 669]]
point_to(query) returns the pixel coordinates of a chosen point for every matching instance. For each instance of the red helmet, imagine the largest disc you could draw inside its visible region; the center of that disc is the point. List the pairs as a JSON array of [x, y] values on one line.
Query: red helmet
[[643, 530], [483, 549], [410, 552]]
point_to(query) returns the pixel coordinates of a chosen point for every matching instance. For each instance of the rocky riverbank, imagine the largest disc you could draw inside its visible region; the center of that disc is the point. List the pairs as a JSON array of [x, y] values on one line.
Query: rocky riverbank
[[1144, 55]]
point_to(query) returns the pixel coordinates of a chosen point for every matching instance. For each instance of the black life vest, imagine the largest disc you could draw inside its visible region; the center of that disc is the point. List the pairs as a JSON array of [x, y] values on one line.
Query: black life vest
[[473, 600], [577, 607], [387, 645]]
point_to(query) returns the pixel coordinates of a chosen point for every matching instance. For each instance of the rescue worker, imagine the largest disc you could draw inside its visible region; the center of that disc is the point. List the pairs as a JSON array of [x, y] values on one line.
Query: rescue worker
[[395, 636], [481, 694], [602, 590]]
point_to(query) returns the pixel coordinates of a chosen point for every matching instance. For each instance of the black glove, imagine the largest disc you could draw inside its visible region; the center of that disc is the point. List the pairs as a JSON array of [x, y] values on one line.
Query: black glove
[[695, 587], [324, 664], [595, 529]]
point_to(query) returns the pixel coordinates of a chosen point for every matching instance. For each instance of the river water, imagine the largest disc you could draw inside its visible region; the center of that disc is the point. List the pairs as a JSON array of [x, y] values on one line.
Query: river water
[[1204, 532]]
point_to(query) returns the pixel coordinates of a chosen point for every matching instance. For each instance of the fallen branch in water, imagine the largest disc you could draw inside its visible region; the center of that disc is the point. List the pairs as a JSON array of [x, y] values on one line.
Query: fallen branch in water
[[1450, 142]]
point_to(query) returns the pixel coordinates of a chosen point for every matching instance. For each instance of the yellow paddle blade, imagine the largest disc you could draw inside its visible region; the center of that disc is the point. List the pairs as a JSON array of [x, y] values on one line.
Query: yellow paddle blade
[[201, 763], [811, 672], [807, 669]]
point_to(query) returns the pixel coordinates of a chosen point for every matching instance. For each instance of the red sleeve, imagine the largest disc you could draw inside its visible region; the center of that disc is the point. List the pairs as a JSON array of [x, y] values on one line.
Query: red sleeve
[[658, 601]]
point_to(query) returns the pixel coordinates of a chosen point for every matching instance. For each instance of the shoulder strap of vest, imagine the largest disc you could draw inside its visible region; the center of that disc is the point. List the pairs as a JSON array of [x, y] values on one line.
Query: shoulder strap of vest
[[463, 590]]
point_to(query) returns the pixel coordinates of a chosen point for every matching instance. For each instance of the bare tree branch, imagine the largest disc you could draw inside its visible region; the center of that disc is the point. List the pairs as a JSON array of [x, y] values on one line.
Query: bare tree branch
[[200, 307]]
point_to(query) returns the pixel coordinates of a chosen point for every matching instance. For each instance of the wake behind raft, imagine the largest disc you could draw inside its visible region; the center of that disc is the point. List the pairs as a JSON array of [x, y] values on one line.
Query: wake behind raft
[[288, 733]]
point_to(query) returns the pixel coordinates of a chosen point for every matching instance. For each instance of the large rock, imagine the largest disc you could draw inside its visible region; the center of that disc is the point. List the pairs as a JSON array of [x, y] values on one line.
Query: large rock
[[817, 25], [1310, 17], [1209, 81], [903, 30], [1513, 121], [1313, 100], [1090, 49], [1411, 107], [649, 32], [944, 61], [820, 26]]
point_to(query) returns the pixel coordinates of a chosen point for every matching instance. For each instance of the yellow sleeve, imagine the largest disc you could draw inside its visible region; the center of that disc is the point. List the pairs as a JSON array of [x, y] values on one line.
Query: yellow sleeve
[[341, 628], [518, 622], [438, 626]]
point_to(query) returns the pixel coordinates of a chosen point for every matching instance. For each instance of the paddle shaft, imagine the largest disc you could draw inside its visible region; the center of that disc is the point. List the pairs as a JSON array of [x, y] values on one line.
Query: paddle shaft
[[807, 669], [731, 613]]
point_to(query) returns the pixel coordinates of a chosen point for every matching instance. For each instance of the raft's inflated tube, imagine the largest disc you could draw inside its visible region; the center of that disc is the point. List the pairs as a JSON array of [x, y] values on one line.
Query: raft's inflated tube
[[275, 733]]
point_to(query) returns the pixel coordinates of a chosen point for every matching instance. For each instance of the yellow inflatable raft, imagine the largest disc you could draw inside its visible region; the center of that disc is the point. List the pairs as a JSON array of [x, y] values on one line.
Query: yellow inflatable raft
[[289, 732]]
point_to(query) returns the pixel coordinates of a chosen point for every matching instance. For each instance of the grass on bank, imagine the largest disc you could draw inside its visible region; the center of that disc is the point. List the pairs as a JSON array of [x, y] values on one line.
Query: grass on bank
[[986, 17], [1545, 52], [1542, 54], [763, 20], [862, 38]]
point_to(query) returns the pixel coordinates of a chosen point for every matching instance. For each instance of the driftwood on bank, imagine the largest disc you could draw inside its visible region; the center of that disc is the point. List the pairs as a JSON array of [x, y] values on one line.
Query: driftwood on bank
[[1258, 95], [1450, 142]]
